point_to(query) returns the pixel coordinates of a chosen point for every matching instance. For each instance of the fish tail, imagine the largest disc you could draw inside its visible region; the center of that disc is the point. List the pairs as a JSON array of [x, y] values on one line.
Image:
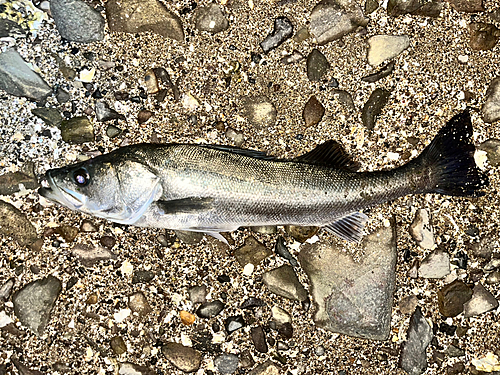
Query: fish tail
[[449, 160]]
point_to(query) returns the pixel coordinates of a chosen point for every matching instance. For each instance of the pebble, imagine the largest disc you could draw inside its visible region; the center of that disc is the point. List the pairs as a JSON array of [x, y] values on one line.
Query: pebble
[[33, 303], [413, 354], [408, 304], [481, 302], [15, 224], [493, 278], [280, 316], [451, 298], [385, 71], [371, 6], [282, 346], [283, 30], [453, 351], [50, 116], [373, 107], [331, 20], [317, 65], [187, 318], [143, 116], [210, 309], [77, 130], [142, 276], [252, 252], [353, 298], [345, 99], [67, 232], [491, 107], [198, 294], [492, 264], [129, 16], [118, 345], [386, 47], [431, 8], [282, 250], [89, 255], [11, 182], [189, 237], [266, 368], [235, 136], [151, 82], [182, 357], [104, 113], [492, 149], [77, 21], [227, 363], [113, 131], [469, 6], [138, 303], [259, 339], [127, 368], [18, 79], [234, 323], [211, 18], [435, 265], [293, 58], [313, 112], [252, 302], [108, 242], [259, 111], [284, 282], [301, 233], [10, 29], [6, 289], [483, 36]]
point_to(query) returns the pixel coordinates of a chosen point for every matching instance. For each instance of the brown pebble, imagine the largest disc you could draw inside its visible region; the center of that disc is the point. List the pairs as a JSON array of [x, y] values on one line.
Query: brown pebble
[[313, 112], [118, 345], [187, 318], [483, 36], [67, 232], [143, 116], [138, 303], [92, 299], [108, 242]]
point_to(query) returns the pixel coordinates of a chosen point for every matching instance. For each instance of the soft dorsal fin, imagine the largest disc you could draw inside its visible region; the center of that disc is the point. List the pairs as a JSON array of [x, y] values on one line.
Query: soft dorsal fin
[[329, 154]]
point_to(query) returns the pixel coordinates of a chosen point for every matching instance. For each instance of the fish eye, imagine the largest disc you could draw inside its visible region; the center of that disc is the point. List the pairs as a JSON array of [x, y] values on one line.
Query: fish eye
[[81, 177]]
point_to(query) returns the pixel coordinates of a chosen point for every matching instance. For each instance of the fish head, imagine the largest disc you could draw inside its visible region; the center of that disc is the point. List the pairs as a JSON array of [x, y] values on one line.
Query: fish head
[[116, 189]]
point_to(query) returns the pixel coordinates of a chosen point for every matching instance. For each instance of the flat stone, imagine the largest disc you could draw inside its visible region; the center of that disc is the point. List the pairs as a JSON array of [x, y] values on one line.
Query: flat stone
[[345, 100], [252, 252], [77, 21], [283, 30], [424, 8], [332, 19], [118, 345], [481, 302], [436, 265], [408, 304], [413, 354], [259, 111], [210, 309], [50, 116], [492, 149], [317, 65], [132, 16], [104, 113], [13, 223], [90, 255], [226, 363], [211, 18], [421, 229], [259, 339], [34, 302], [284, 282], [451, 298], [138, 303], [10, 29], [128, 368], [234, 323], [386, 47], [77, 130], [373, 107], [198, 293], [182, 357], [483, 36], [18, 79], [491, 107], [313, 112], [493, 278], [11, 182], [189, 237], [385, 71], [353, 298], [468, 6], [266, 368]]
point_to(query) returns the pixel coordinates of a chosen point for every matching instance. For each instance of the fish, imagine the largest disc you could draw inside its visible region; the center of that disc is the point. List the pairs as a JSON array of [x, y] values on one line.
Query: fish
[[214, 188]]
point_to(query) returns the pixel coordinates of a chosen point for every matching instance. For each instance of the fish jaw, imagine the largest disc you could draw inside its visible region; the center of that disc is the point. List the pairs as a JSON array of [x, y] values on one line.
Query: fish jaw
[[49, 190]]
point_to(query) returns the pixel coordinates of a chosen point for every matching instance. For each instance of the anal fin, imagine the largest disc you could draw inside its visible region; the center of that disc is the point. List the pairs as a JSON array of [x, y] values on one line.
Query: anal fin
[[350, 227]]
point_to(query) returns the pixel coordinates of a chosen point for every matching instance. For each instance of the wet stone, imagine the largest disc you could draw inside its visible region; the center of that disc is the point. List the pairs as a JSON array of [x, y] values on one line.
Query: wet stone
[[259, 339], [483, 36], [226, 363], [468, 6], [77, 21], [182, 357], [353, 298], [492, 149], [77, 130], [130, 16], [436, 265], [50, 116], [481, 302], [105, 113], [332, 19], [282, 250], [107, 241], [142, 276], [491, 107], [385, 71], [252, 252], [317, 65], [34, 302], [18, 79], [451, 298], [283, 30], [386, 47], [493, 278], [284, 282], [138, 303], [373, 107], [15, 224], [118, 345], [266, 368], [301, 233], [211, 18], [234, 323], [128, 368], [259, 111], [413, 354], [424, 8], [313, 112], [198, 294], [90, 255], [210, 309]]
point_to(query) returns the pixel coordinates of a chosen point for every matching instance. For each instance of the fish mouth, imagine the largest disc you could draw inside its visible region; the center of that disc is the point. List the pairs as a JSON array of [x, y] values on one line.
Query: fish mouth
[[52, 192]]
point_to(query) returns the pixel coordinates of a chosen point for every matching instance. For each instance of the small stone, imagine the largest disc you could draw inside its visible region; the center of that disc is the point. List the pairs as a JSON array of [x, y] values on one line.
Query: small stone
[[259, 111], [67, 232], [151, 82], [15, 224], [138, 303], [33, 303], [301, 35], [453, 351], [408, 304], [11, 182], [92, 299], [259, 339], [108, 242], [235, 136], [301, 233], [118, 345], [481, 302], [436, 265], [77, 130], [483, 36], [282, 250], [332, 19], [345, 99], [6, 289], [226, 363], [317, 65], [282, 346], [252, 302], [198, 294], [143, 116], [469, 6], [252, 252], [413, 354], [142, 276], [373, 107], [90, 255], [386, 47], [233, 323], [104, 113], [424, 8], [211, 18], [283, 282], [286, 330], [385, 71], [113, 131], [266, 368], [313, 112], [319, 350], [128, 368], [293, 58], [451, 298], [283, 30], [280, 316], [492, 264], [187, 318], [492, 149], [210, 309], [491, 107], [182, 357], [189, 237], [10, 29], [493, 278], [50, 116]]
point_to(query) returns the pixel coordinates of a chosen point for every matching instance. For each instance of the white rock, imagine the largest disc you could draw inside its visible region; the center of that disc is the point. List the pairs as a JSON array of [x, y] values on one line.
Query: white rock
[[385, 47], [421, 230]]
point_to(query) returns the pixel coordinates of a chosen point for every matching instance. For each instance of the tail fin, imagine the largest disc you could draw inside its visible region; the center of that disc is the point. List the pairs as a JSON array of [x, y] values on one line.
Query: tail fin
[[449, 159]]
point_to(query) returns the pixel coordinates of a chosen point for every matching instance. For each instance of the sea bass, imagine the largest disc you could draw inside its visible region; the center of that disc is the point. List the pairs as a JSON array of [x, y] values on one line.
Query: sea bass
[[213, 189]]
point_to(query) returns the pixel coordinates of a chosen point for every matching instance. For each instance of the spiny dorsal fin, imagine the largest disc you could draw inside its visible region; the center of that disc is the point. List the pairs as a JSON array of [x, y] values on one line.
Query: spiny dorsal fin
[[329, 154], [241, 151]]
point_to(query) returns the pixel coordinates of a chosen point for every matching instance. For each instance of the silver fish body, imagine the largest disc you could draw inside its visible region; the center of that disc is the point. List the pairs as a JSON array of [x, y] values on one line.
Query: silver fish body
[[216, 189]]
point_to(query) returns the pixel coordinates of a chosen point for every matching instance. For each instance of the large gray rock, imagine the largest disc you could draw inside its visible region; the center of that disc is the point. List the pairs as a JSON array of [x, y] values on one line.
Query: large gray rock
[[138, 16], [350, 297], [77, 21], [34, 302], [18, 79], [413, 356]]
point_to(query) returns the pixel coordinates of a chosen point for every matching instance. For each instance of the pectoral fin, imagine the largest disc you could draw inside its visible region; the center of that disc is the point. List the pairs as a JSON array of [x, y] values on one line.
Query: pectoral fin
[[185, 205], [349, 228]]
